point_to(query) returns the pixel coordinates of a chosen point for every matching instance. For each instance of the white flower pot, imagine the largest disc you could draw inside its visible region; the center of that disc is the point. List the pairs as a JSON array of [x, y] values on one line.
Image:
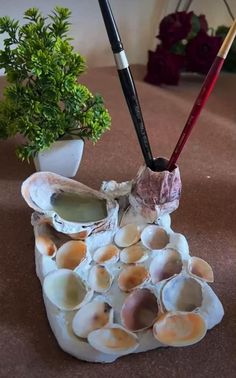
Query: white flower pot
[[63, 157]]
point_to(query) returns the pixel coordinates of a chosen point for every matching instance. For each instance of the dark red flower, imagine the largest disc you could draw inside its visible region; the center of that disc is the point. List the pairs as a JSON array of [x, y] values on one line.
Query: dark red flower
[[174, 27], [163, 67], [203, 23], [201, 51]]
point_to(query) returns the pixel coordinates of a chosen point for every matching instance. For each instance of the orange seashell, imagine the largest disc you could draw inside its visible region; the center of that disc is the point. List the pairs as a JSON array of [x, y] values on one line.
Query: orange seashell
[[132, 276], [71, 254], [200, 268]]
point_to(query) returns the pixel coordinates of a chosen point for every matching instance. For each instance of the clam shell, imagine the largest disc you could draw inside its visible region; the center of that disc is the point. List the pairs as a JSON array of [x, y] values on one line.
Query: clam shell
[[91, 316], [71, 254], [99, 279], [200, 269], [127, 235], [166, 264], [44, 240], [134, 254], [107, 254], [65, 289], [154, 237], [139, 310], [113, 340], [132, 276], [179, 328], [182, 293]]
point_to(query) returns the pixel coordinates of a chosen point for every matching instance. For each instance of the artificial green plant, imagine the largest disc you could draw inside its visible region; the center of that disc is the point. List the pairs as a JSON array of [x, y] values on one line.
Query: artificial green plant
[[43, 100]]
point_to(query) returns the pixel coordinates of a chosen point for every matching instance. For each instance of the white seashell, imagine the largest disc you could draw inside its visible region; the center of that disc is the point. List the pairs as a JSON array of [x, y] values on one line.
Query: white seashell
[[44, 240], [200, 269], [107, 254], [132, 277], [134, 254], [65, 289], [154, 237], [139, 310], [179, 328], [71, 254], [91, 316], [182, 293], [166, 264], [127, 235], [113, 340], [41, 189], [99, 279]]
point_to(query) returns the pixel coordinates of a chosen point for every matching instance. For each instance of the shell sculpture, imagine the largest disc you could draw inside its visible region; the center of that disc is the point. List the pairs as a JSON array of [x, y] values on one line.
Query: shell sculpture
[[123, 283]]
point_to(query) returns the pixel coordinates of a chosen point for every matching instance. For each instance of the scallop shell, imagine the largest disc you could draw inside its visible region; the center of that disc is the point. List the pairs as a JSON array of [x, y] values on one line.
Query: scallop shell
[[166, 264], [44, 240], [154, 237], [134, 254], [65, 289], [113, 340], [139, 310], [179, 328], [99, 279], [127, 235], [107, 254], [200, 269], [41, 187], [91, 316], [132, 276], [71, 254], [182, 293]]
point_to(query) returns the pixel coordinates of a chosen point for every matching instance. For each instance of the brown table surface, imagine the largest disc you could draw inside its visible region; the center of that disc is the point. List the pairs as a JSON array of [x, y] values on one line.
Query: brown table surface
[[206, 216]]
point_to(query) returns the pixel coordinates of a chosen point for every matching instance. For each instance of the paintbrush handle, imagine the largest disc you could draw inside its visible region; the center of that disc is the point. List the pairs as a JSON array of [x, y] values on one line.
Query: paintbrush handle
[[205, 92], [126, 81]]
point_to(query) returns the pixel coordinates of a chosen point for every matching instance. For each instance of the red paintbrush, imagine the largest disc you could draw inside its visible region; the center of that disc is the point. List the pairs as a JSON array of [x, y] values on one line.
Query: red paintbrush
[[205, 92]]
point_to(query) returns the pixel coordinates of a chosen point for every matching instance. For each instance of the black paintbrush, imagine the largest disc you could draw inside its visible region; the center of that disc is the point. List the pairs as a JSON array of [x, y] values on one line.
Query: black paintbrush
[[126, 80]]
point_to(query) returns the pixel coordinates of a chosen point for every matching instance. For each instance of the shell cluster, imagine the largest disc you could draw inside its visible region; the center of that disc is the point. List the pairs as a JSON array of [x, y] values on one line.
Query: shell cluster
[[125, 289]]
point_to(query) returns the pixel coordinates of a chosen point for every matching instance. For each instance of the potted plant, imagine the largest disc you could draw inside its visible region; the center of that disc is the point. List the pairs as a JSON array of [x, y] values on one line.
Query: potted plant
[[43, 100]]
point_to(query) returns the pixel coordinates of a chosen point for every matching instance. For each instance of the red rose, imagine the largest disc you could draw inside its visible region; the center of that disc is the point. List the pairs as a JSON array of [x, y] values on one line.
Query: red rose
[[174, 27], [203, 23], [163, 67], [201, 52]]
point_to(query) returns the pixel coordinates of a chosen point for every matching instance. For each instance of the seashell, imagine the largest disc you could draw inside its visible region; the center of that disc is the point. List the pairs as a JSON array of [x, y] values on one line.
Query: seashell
[[43, 190], [65, 289], [113, 340], [91, 316], [139, 310], [132, 276], [200, 268], [71, 254], [179, 328], [182, 293], [127, 235], [107, 254], [134, 254], [44, 239], [99, 279], [166, 264], [154, 237]]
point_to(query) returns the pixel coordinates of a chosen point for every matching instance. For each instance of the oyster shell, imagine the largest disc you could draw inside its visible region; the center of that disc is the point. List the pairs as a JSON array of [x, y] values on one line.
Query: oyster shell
[[127, 235], [113, 340], [134, 254], [91, 316], [200, 269], [139, 310], [40, 190], [99, 279], [179, 328], [71, 254], [154, 237], [132, 276], [107, 254], [166, 264], [65, 289], [182, 293]]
